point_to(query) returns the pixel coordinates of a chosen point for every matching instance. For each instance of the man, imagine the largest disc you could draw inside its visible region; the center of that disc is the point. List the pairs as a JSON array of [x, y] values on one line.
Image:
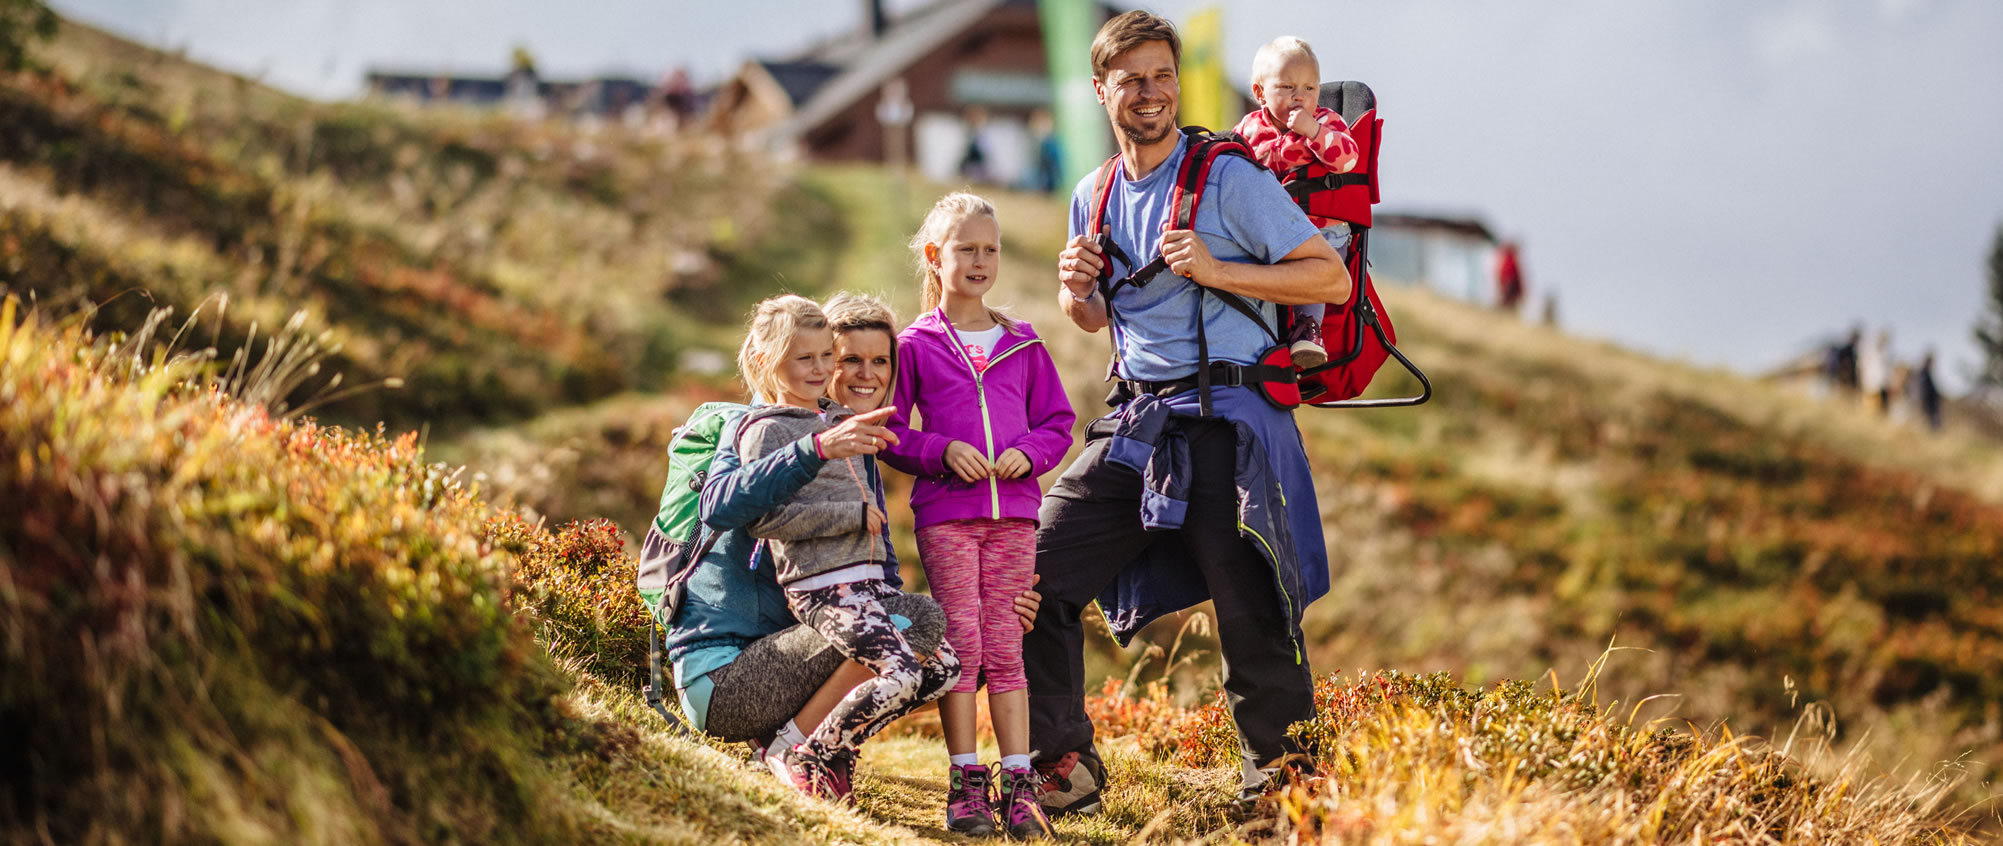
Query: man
[[1230, 511]]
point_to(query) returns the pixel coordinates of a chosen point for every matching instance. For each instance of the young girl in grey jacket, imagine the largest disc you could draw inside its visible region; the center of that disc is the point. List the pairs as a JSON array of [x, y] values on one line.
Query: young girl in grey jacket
[[827, 541]]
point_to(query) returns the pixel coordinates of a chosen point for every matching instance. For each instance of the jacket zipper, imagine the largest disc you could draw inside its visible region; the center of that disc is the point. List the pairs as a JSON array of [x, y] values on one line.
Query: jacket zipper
[[1277, 581], [981, 392]]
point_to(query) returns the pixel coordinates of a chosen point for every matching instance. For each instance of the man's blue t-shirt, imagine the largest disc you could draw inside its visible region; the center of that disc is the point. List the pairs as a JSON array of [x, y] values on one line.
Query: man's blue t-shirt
[[1243, 216]]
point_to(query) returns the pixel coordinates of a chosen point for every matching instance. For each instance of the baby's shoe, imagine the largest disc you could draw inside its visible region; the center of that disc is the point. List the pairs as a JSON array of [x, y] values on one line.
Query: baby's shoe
[[968, 808], [1307, 349], [1021, 790]]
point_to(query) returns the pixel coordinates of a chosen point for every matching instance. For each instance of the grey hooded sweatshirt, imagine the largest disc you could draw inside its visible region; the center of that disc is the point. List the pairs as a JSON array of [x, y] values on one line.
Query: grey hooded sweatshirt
[[825, 526]]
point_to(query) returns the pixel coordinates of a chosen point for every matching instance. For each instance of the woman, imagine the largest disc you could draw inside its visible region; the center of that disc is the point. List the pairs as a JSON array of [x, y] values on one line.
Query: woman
[[744, 668]]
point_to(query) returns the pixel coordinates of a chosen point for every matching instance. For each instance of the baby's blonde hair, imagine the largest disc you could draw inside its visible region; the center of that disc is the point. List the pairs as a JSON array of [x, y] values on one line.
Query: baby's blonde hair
[[950, 210], [773, 324], [1277, 53]]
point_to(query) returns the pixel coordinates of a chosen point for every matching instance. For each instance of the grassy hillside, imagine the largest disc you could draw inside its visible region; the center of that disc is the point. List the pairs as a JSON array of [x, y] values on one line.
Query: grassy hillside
[[498, 269], [225, 622], [1771, 553], [224, 627], [234, 628]]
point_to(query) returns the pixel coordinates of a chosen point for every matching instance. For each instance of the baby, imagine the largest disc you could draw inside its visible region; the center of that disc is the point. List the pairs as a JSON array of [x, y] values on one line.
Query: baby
[[1293, 136]]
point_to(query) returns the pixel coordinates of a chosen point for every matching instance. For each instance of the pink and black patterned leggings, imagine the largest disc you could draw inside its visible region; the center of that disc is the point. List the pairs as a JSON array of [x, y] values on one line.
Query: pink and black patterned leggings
[[976, 569]]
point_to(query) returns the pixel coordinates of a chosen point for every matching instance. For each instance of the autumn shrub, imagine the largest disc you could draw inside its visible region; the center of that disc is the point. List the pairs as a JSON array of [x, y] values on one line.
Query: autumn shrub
[[222, 625], [579, 581]]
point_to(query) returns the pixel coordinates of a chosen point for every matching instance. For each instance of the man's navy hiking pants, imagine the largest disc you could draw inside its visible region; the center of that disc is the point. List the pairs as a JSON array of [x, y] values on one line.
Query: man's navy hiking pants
[[1090, 528]]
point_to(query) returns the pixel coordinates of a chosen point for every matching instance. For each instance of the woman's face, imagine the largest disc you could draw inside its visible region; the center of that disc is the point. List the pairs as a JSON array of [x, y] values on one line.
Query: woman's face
[[803, 373], [863, 369]]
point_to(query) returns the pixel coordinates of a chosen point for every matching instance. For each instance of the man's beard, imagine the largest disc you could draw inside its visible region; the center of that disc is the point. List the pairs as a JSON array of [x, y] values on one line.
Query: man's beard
[[1135, 134]]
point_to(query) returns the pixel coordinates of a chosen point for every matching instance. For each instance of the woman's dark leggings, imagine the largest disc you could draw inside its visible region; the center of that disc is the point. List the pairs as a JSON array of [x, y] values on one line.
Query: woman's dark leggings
[[775, 676]]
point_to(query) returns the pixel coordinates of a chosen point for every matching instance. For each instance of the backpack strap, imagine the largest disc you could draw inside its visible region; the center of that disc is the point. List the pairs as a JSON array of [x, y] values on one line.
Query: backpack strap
[[1303, 187], [1185, 197]]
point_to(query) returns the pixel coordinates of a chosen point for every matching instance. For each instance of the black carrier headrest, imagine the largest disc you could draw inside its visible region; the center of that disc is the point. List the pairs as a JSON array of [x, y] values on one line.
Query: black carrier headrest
[[1349, 99]]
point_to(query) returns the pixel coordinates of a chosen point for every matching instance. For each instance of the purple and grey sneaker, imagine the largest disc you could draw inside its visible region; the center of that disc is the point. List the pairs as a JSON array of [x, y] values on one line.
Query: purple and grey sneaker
[[805, 772], [968, 809], [841, 777], [1021, 790]]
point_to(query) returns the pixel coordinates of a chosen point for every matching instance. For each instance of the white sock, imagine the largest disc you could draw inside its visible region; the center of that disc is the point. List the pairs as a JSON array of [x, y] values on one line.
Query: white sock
[[965, 760], [1015, 762], [790, 735]]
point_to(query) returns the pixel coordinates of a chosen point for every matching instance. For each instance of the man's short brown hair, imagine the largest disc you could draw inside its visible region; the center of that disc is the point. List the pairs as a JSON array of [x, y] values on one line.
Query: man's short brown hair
[[1130, 30]]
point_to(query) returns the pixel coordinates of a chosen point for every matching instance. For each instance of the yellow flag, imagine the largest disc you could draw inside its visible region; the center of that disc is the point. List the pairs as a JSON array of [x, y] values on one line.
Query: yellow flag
[[1206, 97]]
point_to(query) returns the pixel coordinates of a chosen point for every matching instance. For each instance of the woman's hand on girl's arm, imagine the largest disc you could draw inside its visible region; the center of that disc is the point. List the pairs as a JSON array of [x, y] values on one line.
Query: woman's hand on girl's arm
[[966, 462], [873, 519], [1027, 602]]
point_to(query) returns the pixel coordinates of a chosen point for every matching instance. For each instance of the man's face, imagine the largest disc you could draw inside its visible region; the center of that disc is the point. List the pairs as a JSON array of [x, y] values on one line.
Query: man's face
[[1140, 92]]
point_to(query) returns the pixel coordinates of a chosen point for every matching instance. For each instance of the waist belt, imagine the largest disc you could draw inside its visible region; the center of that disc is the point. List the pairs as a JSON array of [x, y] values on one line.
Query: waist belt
[[1222, 374]]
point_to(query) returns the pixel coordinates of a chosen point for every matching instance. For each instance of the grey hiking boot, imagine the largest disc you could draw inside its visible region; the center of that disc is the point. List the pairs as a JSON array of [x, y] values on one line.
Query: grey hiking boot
[[1295, 769], [1071, 783]]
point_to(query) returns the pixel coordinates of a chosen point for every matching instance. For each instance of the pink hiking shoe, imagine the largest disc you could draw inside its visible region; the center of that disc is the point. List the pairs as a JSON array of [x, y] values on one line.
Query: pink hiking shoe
[[1021, 791], [968, 808]]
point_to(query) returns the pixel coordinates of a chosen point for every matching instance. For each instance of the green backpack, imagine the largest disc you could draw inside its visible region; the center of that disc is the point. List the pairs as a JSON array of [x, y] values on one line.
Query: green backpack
[[677, 539]]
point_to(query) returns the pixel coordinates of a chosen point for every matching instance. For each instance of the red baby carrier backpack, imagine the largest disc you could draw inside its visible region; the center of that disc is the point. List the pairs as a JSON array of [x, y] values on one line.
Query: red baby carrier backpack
[[1358, 332]]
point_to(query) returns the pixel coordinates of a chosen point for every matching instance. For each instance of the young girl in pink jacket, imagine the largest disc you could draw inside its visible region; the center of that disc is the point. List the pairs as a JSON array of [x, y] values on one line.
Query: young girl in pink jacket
[[992, 416]]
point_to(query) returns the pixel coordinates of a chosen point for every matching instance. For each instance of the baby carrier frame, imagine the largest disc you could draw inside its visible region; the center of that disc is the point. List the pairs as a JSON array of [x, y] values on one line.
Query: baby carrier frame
[[1361, 320]]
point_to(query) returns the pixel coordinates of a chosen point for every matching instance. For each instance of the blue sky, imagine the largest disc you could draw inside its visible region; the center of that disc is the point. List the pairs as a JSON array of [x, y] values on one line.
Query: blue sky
[[1713, 180]]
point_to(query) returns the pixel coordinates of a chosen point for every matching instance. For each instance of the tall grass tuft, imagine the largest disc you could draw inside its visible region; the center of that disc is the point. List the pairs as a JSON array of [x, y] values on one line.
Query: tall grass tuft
[[1419, 759]]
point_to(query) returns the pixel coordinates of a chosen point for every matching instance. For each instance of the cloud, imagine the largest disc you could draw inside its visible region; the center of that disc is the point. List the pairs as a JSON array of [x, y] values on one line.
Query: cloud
[[1797, 32], [1899, 10]]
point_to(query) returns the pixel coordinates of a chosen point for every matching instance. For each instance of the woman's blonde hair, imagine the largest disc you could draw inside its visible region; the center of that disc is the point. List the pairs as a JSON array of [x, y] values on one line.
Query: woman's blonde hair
[[771, 330], [849, 311], [1277, 53], [945, 214]]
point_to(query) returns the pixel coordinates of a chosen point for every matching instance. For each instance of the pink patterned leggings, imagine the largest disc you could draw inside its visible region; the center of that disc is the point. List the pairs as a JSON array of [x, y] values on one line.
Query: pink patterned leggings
[[976, 569]]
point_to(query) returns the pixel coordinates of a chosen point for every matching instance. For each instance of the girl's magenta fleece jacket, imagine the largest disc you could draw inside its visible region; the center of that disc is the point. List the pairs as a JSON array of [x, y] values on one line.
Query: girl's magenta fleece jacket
[[1018, 401]]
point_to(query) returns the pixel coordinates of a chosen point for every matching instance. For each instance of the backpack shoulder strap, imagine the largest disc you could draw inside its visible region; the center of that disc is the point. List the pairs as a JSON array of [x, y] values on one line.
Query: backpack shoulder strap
[[1204, 151], [1102, 192]]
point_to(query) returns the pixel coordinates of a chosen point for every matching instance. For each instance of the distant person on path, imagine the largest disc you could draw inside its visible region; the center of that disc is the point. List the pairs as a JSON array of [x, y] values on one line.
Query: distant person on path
[[1840, 362], [1295, 137], [1509, 284], [1049, 153], [745, 669], [1214, 527], [995, 417], [1925, 393], [974, 164], [1874, 371]]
